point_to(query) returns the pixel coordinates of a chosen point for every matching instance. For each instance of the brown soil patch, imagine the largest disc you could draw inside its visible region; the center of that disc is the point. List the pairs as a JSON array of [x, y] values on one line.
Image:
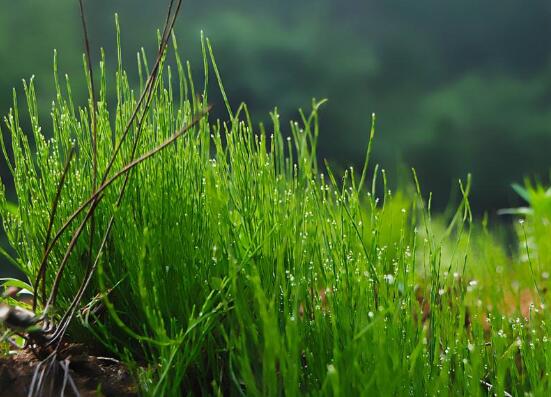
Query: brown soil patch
[[91, 375]]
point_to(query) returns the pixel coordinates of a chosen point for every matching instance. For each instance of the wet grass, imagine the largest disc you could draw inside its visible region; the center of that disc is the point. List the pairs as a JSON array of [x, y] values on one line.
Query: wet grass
[[237, 264]]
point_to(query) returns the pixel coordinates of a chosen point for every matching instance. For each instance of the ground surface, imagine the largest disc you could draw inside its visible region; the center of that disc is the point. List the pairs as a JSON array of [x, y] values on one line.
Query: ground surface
[[92, 376]]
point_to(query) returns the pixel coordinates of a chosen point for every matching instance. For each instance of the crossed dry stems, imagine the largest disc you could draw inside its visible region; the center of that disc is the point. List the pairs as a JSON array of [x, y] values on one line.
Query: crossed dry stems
[[53, 332]]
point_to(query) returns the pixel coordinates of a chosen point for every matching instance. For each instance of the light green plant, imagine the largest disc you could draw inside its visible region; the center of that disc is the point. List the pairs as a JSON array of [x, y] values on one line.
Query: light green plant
[[237, 265]]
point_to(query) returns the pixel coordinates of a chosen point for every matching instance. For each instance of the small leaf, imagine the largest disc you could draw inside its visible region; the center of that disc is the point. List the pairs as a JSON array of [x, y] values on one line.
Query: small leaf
[[516, 211], [522, 192], [13, 282]]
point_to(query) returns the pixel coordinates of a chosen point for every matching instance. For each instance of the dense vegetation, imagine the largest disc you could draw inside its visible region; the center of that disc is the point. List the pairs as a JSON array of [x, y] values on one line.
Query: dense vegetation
[[232, 262]]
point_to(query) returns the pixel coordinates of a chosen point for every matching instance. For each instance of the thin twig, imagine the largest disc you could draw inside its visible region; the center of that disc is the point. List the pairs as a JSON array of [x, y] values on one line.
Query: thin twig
[[94, 199], [63, 324], [38, 376], [68, 252], [92, 92], [152, 79], [70, 312], [41, 271], [94, 111]]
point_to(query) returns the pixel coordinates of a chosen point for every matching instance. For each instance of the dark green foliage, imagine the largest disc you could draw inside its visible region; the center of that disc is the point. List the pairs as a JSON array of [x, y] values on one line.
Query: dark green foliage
[[470, 73]]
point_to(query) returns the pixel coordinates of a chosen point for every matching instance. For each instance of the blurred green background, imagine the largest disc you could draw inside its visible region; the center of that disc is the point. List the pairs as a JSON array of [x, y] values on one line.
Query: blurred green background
[[457, 87]]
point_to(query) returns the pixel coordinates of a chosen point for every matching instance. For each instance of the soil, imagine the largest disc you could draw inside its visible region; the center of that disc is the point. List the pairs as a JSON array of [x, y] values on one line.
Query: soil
[[87, 375]]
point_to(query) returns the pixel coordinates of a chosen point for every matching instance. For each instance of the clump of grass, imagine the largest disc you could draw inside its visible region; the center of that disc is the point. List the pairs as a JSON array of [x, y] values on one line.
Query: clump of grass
[[236, 265]]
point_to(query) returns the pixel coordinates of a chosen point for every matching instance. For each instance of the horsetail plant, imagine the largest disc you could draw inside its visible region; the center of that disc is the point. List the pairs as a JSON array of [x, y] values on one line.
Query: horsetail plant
[[224, 259]]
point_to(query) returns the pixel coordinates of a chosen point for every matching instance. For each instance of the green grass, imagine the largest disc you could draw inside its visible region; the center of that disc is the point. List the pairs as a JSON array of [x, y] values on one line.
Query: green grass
[[238, 265]]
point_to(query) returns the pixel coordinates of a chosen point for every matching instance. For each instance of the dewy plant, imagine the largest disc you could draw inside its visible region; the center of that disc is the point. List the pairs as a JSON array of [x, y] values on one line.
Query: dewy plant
[[214, 257]]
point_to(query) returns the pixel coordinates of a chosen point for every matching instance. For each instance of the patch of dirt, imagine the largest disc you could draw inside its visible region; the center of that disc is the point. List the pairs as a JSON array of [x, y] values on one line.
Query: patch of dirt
[[75, 374]]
